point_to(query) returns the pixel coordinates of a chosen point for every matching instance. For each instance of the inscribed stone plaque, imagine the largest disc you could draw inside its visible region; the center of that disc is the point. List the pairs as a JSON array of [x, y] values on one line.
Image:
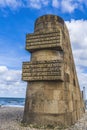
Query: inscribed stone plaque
[[44, 40], [43, 70]]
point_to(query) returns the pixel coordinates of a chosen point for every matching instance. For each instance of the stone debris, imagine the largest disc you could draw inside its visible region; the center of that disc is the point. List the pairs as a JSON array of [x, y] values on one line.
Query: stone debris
[[80, 125]]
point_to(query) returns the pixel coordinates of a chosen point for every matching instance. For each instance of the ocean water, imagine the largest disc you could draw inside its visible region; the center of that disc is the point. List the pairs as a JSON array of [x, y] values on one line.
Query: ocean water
[[12, 102]]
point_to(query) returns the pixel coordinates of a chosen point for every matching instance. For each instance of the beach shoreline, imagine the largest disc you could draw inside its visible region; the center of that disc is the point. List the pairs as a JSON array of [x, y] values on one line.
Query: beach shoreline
[[11, 117]]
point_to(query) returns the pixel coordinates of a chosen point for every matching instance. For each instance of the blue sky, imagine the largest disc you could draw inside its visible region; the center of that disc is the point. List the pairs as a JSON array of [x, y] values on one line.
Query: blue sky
[[17, 18]]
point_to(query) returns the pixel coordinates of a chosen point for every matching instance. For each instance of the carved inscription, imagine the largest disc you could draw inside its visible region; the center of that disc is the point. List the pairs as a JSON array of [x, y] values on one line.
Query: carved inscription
[[46, 70], [44, 40]]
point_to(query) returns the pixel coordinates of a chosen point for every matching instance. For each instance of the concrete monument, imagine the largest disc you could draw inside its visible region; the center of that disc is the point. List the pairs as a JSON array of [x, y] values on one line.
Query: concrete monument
[[53, 94]]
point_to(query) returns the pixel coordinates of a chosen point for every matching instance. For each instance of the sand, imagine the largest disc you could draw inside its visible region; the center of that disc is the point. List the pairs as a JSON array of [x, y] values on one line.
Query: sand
[[11, 117]]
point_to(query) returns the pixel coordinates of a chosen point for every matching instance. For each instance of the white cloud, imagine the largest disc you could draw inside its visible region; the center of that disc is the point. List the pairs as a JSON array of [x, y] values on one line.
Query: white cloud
[[34, 4], [68, 6], [3, 69], [55, 3], [78, 37], [10, 83], [37, 3], [64, 5], [78, 28], [11, 3], [82, 1], [45, 2], [82, 77]]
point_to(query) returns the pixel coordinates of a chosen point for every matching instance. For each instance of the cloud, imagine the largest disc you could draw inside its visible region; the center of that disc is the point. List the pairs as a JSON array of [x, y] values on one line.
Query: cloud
[[10, 83], [14, 4], [3, 69], [34, 4], [82, 1], [78, 36], [11, 3], [82, 77], [68, 6], [37, 4], [55, 3]]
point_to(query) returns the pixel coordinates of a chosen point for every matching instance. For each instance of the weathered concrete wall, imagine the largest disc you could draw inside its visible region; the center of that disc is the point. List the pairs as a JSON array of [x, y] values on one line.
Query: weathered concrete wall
[[53, 94]]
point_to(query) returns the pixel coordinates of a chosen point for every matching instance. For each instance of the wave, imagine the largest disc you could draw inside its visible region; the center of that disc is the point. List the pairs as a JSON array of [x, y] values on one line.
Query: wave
[[12, 102]]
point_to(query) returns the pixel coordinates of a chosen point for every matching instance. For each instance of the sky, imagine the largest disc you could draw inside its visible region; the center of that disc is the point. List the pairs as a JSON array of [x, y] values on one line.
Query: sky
[[17, 18]]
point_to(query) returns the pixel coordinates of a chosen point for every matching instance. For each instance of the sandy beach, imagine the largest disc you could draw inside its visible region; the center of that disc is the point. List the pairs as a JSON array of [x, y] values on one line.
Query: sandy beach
[[11, 117]]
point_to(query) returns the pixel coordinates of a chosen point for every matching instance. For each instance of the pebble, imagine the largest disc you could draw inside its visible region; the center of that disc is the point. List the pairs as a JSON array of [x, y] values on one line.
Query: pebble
[[10, 119]]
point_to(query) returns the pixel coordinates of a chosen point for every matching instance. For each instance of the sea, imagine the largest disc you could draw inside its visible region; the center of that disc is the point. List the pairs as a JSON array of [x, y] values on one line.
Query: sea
[[12, 102]]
